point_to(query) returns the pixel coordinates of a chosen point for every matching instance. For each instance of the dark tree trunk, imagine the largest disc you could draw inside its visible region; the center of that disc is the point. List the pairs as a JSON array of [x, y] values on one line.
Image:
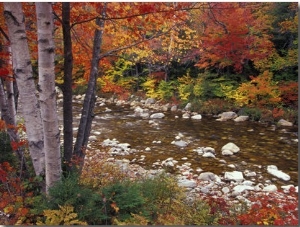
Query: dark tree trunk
[[90, 97], [67, 87]]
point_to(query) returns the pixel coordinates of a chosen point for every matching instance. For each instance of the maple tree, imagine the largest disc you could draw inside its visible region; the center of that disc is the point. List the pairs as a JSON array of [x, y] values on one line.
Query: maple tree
[[145, 26], [233, 35], [244, 52]]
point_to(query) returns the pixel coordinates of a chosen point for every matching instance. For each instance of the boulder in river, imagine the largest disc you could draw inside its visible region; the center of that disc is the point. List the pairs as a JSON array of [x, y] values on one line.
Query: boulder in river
[[188, 106], [150, 101], [207, 176], [231, 146], [241, 118], [208, 155], [197, 117], [235, 176], [270, 188], [209, 149], [273, 170], [174, 108], [186, 115], [241, 188], [180, 143], [227, 116], [283, 122], [157, 115]]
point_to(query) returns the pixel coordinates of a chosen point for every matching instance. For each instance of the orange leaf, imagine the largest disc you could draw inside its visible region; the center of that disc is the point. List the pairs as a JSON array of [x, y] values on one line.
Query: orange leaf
[[115, 207]]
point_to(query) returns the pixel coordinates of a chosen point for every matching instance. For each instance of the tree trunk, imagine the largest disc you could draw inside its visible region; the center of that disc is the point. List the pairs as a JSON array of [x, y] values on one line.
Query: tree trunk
[[47, 93], [90, 96], [22, 67], [9, 119], [67, 87]]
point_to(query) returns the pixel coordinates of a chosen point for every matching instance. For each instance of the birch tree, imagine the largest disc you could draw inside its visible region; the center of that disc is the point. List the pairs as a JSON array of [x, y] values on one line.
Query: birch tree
[[22, 68], [7, 102], [47, 93]]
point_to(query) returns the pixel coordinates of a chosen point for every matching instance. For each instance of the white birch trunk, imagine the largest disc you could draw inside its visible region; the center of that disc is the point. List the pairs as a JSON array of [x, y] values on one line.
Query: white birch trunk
[[47, 93], [22, 67]]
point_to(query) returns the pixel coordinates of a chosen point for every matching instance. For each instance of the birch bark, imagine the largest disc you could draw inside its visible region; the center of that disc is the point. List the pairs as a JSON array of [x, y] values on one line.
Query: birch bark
[[22, 68], [46, 87]]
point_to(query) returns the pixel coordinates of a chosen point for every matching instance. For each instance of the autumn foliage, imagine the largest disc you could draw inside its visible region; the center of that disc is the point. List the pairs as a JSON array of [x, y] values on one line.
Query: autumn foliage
[[218, 56]]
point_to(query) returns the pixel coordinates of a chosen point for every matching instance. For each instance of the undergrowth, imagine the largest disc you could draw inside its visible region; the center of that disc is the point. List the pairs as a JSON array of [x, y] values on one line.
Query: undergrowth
[[143, 201]]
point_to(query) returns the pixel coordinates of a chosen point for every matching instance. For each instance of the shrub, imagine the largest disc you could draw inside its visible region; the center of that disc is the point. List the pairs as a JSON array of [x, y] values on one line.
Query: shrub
[[213, 106], [98, 173], [260, 91], [123, 199], [166, 90], [160, 193], [6, 152], [16, 197], [150, 86], [253, 113], [270, 210], [63, 216], [289, 93], [68, 192]]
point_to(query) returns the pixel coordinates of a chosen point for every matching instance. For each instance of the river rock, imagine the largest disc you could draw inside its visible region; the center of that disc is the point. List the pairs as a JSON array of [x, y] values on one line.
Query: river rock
[[138, 110], [78, 97], [157, 115], [199, 150], [124, 146], [169, 162], [188, 106], [241, 118], [197, 117], [92, 138], [225, 190], [144, 115], [109, 143], [231, 166], [209, 149], [286, 188], [270, 188], [187, 183], [235, 176], [118, 151], [249, 174], [283, 122], [207, 176], [147, 149], [208, 155], [165, 108], [248, 182], [273, 170], [150, 101], [227, 152], [186, 115], [227, 116], [230, 147], [180, 143], [241, 188], [174, 108]]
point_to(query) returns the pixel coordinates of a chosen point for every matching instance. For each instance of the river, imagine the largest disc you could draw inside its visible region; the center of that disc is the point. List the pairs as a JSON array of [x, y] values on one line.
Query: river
[[261, 144]]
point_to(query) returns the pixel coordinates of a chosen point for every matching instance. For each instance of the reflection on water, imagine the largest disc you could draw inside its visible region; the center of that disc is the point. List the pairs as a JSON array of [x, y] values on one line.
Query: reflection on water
[[260, 144]]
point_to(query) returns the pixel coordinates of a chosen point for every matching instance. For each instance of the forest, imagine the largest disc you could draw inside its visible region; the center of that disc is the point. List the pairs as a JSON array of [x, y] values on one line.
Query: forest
[[217, 56]]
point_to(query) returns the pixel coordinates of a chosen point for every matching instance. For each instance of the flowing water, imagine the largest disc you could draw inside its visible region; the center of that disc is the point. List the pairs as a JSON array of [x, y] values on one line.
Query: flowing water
[[261, 144]]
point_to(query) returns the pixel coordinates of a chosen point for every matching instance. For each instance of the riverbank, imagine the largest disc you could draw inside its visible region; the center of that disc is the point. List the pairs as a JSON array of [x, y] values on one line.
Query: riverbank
[[239, 185]]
